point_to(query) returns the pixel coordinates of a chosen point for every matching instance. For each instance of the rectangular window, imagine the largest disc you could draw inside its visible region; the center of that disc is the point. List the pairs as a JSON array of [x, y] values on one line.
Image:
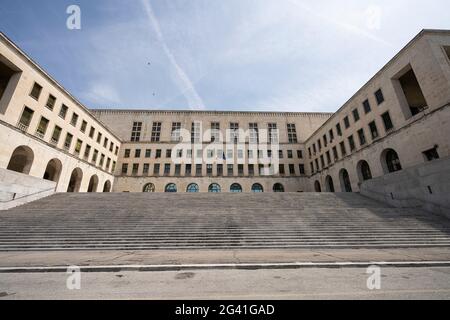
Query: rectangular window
[[111, 146], [234, 132], [127, 153], [209, 170], [343, 149], [68, 141], [356, 115], [146, 169], [25, 119], [292, 170], [230, 170], [169, 153], [322, 161], [63, 111], [105, 143], [83, 126], [116, 152], [215, 131], [335, 154], [156, 169], [290, 154], [95, 156], [113, 167], [373, 130], [301, 168], [196, 132], [198, 170], [56, 135], [137, 153], [240, 153], [346, 122], [254, 133], [319, 144], [91, 133], [158, 154], [136, 132], [108, 162], [351, 142], [74, 119], [328, 157], [261, 169], [240, 170], [188, 170], [366, 105], [177, 170], [125, 168], [431, 154], [325, 140], [78, 146], [176, 132], [362, 137], [220, 170], [51, 101], [102, 160], [42, 128], [156, 132], [292, 133], [273, 133], [36, 91], [331, 133], [300, 154], [135, 169], [413, 92], [87, 152], [281, 169], [388, 125], [379, 96], [148, 153], [339, 130], [251, 170], [280, 154], [167, 169], [99, 137]]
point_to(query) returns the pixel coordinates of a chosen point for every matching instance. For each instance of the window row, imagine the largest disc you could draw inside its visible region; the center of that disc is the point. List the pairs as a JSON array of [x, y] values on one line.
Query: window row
[[213, 188]]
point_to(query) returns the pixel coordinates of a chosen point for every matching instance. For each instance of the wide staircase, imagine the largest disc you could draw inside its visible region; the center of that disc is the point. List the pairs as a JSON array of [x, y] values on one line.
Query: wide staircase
[[132, 221]]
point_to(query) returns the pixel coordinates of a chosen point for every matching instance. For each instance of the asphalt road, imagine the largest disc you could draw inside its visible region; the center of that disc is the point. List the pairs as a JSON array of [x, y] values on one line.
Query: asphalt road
[[345, 283]]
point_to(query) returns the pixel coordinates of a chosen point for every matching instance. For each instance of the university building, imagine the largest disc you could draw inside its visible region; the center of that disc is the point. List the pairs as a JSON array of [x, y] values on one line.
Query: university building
[[390, 141]]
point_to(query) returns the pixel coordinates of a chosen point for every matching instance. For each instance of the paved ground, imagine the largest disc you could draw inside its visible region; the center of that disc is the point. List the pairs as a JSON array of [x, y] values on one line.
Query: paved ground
[[345, 283]]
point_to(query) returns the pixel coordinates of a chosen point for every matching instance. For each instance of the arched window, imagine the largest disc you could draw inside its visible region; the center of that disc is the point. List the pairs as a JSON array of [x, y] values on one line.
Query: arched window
[[171, 187], [192, 188], [278, 187], [149, 187], [329, 184], [364, 172], [214, 188], [53, 170], [93, 184], [257, 188], [391, 161], [346, 184], [236, 187], [21, 160], [75, 180], [317, 186], [107, 186]]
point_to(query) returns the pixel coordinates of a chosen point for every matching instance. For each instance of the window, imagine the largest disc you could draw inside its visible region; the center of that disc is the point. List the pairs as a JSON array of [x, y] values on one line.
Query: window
[[167, 169], [102, 159], [346, 122], [25, 119], [42, 128], [366, 105], [379, 96], [322, 161], [95, 156], [169, 153], [188, 170], [343, 150], [373, 130], [254, 133], [251, 170], [339, 130], [447, 52], [87, 152], [290, 154], [68, 141], [356, 115], [198, 170], [236, 188], [292, 133], [335, 154], [180, 153], [281, 169], [51, 101], [149, 187], [261, 169], [196, 128], [325, 140], [78, 146], [362, 137], [215, 131], [234, 132], [351, 142], [280, 154], [273, 133], [292, 170], [220, 170], [63, 111], [105, 143], [171, 188], [158, 154], [431, 154], [331, 133], [209, 170], [240, 170], [74, 119], [300, 154], [36, 91], [192, 188], [99, 137], [230, 170], [214, 188], [56, 135], [257, 188], [328, 157], [177, 170], [124, 168], [413, 93], [111, 146], [91, 132], [388, 125], [278, 187], [113, 167], [156, 169], [127, 153], [108, 162], [319, 144], [148, 153], [116, 152], [301, 168], [156, 132], [83, 126], [392, 161], [136, 132], [137, 153], [176, 132]]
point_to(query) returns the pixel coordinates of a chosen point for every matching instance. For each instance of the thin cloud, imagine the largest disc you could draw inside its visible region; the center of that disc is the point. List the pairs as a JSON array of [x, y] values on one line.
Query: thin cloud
[[184, 82]]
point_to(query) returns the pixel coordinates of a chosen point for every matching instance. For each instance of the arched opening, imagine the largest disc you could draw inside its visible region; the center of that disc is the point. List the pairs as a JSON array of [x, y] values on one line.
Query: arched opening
[[171, 188], [93, 184], [75, 180], [257, 188], [21, 160], [364, 172], [390, 161], [317, 186], [329, 184], [236, 188], [346, 185], [278, 187], [192, 188], [214, 188], [53, 170], [107, 186], [149, 187]]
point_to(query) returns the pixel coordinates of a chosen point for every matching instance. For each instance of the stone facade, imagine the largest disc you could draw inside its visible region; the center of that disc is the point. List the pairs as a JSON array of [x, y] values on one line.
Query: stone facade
[[397, 120]]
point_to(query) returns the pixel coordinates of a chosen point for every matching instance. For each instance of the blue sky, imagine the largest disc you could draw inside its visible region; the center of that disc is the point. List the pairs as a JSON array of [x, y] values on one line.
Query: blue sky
[[254, 55]]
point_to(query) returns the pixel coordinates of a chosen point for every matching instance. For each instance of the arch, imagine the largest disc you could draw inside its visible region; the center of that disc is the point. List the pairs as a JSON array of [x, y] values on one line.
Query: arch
[[278, 187], [390, 161], [171, 188], [214, 188], [346, 185], [364, 172], [192, 188], [257, 188], [93, 184], [317, 186], [53, 170], [329, 184], [107, 186], [21, 160], [75, 180], [149, 187], [236, 188]]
